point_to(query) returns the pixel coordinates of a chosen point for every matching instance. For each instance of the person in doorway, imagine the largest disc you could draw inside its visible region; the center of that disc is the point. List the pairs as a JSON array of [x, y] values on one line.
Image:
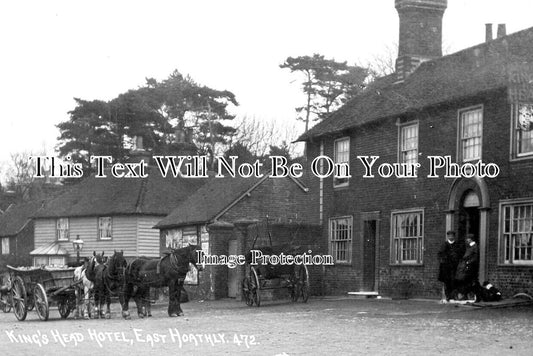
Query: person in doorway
[[468, 268], [450, 254]]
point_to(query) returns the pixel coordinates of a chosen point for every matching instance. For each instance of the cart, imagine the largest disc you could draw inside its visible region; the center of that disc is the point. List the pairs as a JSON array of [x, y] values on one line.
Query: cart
[[39, 287], [261, 277]]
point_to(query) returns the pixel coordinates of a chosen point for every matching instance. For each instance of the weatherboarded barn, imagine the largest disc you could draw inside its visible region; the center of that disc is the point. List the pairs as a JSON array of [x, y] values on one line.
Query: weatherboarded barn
[[110, 214]]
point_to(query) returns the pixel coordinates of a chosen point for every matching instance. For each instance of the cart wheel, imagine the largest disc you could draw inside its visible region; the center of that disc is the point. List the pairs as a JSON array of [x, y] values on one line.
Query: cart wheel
[[300, 285], [19, 297], [247, 295], [255, 287], [41, 302], [64, 308]]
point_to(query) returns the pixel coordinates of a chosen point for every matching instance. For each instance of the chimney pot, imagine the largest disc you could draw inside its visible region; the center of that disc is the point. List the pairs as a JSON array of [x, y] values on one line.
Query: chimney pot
[[502, 31], [488, 32]]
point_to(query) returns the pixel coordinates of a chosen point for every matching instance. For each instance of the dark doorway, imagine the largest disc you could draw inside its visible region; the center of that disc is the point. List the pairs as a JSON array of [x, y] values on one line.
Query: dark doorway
[[369, 254]]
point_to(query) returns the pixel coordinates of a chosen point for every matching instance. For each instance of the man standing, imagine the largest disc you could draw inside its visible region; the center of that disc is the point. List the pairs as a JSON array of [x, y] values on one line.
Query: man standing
[[450, 254], [468, 269]]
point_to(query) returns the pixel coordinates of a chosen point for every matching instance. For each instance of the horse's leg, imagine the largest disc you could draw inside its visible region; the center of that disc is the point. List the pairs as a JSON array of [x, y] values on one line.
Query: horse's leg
[[179, 285], [108, 304], [139, 301], [86, 302], [148, 304], [78, 303], [172, 299], [96, 302], [128, 287]]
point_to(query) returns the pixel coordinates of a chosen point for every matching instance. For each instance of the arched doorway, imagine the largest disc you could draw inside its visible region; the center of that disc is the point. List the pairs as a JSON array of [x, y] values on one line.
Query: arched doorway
[[468, 206]]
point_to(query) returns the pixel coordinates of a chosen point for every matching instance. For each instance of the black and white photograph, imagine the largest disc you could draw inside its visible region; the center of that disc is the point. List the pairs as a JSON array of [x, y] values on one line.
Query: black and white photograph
[[275, 178]]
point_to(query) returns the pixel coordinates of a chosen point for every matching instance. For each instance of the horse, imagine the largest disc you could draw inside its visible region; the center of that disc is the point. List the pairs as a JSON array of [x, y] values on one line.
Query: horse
[[83, 301], [167, 271], [93, 273], [110, 280]]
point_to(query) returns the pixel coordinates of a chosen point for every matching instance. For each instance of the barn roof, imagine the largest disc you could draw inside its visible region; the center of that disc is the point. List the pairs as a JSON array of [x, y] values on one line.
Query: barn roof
[[463, 74], [213, 199], [17, 216], [153, 195]]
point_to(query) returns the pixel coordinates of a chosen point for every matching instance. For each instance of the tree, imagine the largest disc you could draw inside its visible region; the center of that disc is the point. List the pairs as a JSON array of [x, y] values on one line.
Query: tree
[[153, 112], [20, 174], [328, 84]]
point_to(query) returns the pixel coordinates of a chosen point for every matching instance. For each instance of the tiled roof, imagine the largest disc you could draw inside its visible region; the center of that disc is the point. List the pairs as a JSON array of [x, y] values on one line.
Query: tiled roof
[[153, 195], [209, 201], [463, 74], [17, 216]]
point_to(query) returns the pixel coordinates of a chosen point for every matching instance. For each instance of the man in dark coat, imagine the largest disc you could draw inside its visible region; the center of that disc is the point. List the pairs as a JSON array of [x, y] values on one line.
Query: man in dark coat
[[468, 268], [450, 254]]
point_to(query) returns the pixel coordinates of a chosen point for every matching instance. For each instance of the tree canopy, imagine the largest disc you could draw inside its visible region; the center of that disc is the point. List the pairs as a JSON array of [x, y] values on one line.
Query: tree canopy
[[327, 84], [153, 111]]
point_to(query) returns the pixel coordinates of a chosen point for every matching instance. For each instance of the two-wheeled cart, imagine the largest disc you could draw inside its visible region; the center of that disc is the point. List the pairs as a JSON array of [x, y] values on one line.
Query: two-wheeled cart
[[39, 287], [260, 277]]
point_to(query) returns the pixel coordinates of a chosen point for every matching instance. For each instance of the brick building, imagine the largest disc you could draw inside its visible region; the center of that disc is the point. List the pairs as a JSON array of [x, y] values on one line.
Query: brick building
[[226, 215], [472, 105]]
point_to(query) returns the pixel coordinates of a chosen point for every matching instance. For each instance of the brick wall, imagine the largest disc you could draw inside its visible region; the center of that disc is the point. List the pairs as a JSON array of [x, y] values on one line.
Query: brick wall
[[437, 136]]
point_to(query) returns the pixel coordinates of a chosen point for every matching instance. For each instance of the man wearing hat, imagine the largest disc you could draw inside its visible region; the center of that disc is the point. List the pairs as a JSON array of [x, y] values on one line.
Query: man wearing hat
[[450, 254], [468, 268]]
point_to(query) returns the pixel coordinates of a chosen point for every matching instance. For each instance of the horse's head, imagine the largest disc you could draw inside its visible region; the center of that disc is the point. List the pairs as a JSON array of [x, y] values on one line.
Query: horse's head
[[195, 256], [117, 263], [99, 258]]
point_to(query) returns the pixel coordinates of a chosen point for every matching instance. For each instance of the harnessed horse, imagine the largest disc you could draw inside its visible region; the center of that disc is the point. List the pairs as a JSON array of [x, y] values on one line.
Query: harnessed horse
[[170, 270]]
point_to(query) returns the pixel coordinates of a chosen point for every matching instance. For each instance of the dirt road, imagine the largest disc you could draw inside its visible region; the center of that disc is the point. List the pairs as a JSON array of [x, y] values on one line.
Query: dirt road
[[320, 327]]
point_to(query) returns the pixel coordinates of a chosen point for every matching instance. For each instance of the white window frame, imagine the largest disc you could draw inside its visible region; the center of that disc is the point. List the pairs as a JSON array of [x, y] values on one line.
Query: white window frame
[[461, 139], [396, 244], [401, 135], [506, 232], [64, 229], [341, 182], [516, 132], [334, 241], [5, 245], [106, 234]]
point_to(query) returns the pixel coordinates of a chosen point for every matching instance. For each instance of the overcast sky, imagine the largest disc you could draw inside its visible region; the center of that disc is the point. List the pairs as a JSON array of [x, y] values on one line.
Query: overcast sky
[[53, 51]]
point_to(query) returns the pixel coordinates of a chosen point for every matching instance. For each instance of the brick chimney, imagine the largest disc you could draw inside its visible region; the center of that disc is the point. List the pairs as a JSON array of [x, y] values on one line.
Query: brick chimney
[[420, 33]]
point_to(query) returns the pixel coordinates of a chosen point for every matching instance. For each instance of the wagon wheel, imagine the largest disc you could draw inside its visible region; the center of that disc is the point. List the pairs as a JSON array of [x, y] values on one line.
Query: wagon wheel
[[247, 295], [41, 302], [6, 303], [19, 297], [255, 287], [64, 308], [300, 285], [304, 283]]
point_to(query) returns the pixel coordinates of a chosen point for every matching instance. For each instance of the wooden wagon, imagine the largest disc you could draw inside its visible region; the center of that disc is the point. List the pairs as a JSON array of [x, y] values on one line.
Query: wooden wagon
[[259, 277], [39, 287]]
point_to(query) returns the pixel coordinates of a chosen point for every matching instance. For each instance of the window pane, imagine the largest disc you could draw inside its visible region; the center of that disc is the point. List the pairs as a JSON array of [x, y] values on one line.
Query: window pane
[[5, 246], [341, 238], [471, 129], [62, 229], [407, 237], [518, 233], [105, 228], [409, 144]]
